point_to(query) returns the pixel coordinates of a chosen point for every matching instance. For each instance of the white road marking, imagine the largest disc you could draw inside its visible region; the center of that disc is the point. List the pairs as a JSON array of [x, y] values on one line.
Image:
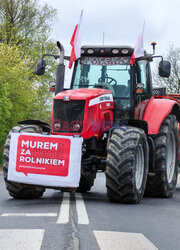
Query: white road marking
[[21, 239], [30, 214], [178, 181], [81, 210], [64, 209], [122, 241]]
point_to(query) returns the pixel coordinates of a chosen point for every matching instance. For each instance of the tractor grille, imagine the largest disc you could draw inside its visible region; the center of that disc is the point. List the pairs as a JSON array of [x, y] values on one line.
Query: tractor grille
[[68, 116]]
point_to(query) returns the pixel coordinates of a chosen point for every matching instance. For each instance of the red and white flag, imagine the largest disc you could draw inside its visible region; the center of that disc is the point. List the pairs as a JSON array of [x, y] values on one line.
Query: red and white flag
[[139, 48], [76, 42]]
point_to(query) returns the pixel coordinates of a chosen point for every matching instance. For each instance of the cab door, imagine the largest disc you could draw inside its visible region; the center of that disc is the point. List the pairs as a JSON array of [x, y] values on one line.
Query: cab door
[[143, 81]]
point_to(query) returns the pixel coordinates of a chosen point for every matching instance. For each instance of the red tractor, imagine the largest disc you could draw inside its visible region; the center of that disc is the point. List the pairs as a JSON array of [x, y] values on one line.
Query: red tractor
[[130, 134]]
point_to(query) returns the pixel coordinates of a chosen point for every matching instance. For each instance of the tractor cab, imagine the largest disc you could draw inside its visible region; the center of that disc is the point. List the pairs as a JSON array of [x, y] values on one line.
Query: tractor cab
[[108, 67]]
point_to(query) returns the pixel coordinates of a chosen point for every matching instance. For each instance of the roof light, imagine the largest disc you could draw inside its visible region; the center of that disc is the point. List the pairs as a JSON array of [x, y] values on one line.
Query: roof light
[[153, 43], [115, 51], [90, 51], [124, 51]]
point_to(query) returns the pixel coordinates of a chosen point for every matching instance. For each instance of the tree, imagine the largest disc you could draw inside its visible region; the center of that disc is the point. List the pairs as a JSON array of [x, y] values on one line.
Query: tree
[[24, 38], [23, 95], [17, 92], [33, 50], [172, 83], [24, 18], [26, 24]]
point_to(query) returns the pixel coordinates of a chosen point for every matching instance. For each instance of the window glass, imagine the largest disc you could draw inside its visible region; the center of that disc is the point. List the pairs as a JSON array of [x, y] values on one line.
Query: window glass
[[111, 73], [142, 76]]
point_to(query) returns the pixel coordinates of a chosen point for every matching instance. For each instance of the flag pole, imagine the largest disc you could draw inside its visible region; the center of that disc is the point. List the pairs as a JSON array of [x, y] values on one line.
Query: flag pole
[[103, 37]]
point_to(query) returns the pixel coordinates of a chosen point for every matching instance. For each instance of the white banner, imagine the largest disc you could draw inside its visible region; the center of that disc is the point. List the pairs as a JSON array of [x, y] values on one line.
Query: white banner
[[46, 160]]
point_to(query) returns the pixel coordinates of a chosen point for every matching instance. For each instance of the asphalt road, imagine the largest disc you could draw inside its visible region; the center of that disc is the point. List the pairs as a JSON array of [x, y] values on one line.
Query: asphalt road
[[88, 222]]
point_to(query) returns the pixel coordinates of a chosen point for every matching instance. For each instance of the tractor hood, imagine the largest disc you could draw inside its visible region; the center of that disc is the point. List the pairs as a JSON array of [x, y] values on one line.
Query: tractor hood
[[82, 112], [81, 94]]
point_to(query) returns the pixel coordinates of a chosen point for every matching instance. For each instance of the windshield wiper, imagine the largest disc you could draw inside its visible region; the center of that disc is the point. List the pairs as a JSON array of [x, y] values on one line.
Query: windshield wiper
[[84, 85]]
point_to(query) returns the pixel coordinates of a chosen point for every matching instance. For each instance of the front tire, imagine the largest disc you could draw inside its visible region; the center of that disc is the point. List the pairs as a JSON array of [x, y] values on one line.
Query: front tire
[[86, 182], [127, 165], [163, 182], [19, 190]]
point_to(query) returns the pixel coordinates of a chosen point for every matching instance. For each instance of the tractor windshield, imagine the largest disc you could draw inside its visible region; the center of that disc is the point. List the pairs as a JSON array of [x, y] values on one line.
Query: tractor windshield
[[111, 73]]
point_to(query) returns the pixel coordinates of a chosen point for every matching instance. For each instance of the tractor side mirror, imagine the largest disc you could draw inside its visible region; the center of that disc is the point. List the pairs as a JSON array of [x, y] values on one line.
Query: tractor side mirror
[[164, 68], [40, 68]]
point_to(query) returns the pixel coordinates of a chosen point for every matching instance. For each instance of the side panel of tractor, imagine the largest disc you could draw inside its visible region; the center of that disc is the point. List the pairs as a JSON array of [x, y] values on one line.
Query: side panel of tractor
[[156, 111], [176, 97]]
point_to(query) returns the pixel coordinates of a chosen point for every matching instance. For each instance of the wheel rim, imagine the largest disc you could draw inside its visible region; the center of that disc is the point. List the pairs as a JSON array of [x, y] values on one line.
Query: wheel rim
[[139, 170], [170, 157]]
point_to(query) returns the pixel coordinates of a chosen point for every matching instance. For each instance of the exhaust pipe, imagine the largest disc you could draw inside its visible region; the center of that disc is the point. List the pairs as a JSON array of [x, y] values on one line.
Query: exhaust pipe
[[60, 70]]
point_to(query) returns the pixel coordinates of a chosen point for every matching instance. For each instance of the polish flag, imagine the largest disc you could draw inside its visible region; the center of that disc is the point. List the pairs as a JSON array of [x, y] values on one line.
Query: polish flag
[[139, 48], [76, 42]]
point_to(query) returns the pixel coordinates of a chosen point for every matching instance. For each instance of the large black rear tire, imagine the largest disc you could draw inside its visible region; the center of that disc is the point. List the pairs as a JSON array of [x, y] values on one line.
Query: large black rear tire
[[163, 182], [19, 190], [127, 165]]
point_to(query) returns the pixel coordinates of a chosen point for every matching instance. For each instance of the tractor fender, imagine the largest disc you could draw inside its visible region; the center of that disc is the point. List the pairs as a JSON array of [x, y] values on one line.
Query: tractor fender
[[135, 123], [156, 112], [44, 125]]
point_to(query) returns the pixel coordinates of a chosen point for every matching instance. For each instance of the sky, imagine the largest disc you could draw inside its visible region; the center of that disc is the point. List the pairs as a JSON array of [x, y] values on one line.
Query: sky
[[120, 20]]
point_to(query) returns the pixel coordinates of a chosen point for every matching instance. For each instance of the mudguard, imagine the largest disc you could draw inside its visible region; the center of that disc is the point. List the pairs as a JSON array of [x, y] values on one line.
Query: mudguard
[[43, 125], [157, 110]]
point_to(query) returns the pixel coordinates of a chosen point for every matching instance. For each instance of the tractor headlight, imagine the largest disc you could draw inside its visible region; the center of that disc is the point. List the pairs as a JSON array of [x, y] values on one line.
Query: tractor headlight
[[57, 125], [76, 126]]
